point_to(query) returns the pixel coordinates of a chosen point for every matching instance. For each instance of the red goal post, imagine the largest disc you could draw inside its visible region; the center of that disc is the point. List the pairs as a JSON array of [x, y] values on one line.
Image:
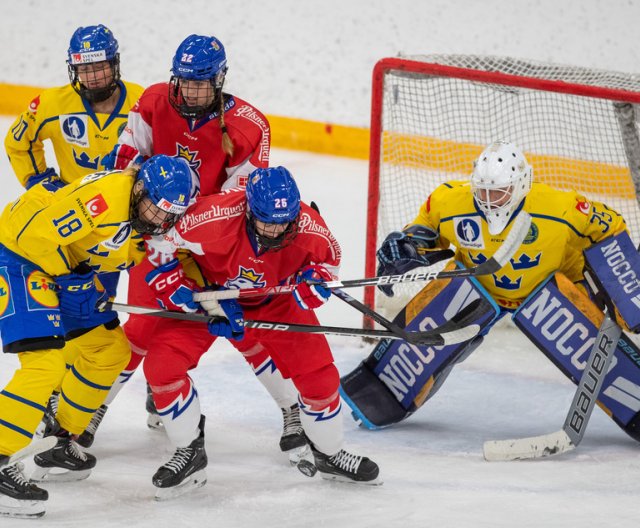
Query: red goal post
[[431, 116]]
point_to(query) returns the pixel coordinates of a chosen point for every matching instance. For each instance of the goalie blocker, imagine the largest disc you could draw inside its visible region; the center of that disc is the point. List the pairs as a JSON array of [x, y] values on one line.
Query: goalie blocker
[[563, 323], [397, 378], [613, 268]]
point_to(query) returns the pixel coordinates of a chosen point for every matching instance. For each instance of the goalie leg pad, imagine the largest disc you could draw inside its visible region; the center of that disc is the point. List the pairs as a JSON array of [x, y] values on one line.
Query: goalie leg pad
[[614, 266], [563, 323], [397, 378]]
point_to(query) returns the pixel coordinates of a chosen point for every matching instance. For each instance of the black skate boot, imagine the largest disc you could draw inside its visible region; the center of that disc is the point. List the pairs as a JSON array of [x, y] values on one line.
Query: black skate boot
[[346, 467], [293, 440], [18, 497], [153, 419], [65, 455], [49, 415], [292, 433], [185, 471], [88, 436]]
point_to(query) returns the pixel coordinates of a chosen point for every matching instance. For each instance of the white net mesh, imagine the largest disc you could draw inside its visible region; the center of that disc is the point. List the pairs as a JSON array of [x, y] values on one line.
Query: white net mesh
[[433, 127]]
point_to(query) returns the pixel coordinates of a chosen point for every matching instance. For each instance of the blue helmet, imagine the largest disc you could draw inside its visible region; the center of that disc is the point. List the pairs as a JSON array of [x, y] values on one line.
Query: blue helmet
[[166, 182], [198, 58], [273, 198], [89, 45]]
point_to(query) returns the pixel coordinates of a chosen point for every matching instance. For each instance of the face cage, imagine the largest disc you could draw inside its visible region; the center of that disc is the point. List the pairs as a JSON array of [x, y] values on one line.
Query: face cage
[[176, 99], [144, 227], [273, 243], [487, 206], [96, 95]]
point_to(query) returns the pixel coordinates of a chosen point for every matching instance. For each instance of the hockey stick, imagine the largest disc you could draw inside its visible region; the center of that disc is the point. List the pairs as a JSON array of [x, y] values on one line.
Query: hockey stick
[[463, 319], [454, 331], [37, 446], [582, 405], [512, 242]]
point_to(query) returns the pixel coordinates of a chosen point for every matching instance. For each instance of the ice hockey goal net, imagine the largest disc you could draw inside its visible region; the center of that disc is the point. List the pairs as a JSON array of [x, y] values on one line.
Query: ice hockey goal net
[[432, 116]]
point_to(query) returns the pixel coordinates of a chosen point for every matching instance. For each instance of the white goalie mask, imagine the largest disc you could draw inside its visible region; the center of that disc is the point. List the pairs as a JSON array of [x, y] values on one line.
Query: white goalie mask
[[500, 181]]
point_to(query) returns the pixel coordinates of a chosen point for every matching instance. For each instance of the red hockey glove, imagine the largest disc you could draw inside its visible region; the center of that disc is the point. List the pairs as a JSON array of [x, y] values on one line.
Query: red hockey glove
[[121, 157], [173, 289], [308, 293]]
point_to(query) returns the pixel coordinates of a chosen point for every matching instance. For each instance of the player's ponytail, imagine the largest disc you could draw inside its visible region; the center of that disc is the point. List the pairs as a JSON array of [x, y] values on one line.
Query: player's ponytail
[[227, 142]]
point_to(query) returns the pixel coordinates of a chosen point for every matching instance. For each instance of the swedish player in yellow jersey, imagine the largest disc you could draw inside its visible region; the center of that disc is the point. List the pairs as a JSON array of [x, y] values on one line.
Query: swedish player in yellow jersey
[[542, 288], [82, 119], [54, 242]]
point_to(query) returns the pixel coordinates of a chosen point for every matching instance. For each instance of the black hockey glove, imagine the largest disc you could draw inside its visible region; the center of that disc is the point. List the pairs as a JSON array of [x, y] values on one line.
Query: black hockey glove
[[401, 252]]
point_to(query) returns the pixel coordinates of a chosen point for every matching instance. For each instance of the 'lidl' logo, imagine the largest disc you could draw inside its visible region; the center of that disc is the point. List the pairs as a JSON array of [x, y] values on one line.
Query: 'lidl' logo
[[5, 297], [42, 291]]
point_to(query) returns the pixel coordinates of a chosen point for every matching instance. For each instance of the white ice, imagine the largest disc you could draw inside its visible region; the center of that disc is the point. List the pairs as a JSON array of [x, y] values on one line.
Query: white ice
[[432, 465]]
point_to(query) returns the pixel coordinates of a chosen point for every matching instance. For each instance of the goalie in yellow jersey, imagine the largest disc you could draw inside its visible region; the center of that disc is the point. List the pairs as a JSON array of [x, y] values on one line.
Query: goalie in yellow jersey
[[82, 120], [54, 244], [542, 287]]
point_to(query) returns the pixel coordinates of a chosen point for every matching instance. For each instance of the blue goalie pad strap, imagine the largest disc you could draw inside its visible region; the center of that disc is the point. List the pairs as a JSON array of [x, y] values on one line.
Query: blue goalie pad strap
[[551, 319], [615, 266], [397, 378]]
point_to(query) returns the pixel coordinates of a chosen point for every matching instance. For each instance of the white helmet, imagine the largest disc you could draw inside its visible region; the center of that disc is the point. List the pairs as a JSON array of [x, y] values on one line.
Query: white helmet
[[503, 169]]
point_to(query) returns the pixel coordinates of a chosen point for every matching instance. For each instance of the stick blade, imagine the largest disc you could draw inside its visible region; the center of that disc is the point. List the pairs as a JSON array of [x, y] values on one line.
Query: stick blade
[[528, 448]]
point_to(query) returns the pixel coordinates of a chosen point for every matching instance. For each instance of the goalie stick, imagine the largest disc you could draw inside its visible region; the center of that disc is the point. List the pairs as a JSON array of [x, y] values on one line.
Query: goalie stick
[[456, 330], [512, 242], [582, 405]]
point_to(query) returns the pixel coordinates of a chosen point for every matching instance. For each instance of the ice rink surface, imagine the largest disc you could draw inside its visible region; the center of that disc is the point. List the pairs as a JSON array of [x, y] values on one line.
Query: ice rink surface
[[431, 464]]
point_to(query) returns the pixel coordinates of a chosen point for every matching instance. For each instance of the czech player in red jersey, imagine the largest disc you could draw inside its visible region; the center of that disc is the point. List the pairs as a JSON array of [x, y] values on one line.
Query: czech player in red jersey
[[222, 137], [264, 236]]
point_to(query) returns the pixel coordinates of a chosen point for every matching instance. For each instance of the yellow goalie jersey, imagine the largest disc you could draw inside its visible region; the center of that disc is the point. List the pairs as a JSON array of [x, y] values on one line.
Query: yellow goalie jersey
[[86, 221], [563, 224], [80, 137]]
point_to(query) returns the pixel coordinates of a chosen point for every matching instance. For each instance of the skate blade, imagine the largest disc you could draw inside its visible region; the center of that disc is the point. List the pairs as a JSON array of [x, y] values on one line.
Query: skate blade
[[154, 422], [195, 481], [49, 474], [338, 478], [39, 433], [300, 453], [21, 509]]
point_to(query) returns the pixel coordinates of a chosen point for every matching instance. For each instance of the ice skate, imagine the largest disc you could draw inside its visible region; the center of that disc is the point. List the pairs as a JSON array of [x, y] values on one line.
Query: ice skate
[[184, 472], [49, 415], [88, 436], [293, 440], [66, 456], [346, 467], [154, 421], [19, 498]]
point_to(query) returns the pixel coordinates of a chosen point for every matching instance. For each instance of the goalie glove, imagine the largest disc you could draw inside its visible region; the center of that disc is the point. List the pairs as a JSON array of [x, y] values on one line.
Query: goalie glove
[[308, 293], [121, 156], [403, 251], [173, 289]]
